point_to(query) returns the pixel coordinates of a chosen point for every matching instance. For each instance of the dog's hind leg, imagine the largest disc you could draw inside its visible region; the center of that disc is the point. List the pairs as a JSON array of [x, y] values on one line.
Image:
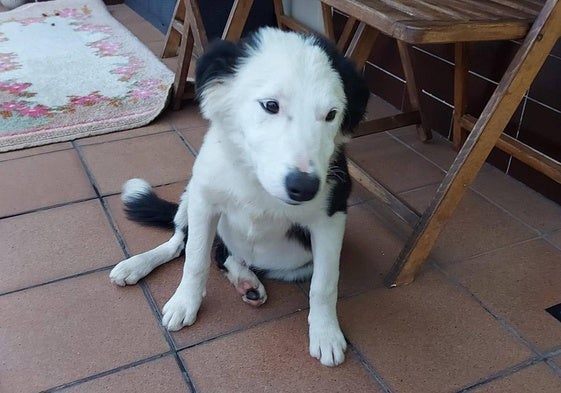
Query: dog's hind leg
[[245, 281], [129, 271]]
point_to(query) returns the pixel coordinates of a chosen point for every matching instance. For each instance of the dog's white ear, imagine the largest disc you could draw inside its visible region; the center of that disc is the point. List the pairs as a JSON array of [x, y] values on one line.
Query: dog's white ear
[[214, 68]]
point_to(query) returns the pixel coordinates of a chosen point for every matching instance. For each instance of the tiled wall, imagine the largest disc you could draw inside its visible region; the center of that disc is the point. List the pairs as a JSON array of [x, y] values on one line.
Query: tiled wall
[[536, 122]]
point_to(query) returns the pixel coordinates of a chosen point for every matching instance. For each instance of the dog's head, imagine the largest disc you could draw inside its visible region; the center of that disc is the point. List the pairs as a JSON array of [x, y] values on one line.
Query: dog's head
[[287, 100]]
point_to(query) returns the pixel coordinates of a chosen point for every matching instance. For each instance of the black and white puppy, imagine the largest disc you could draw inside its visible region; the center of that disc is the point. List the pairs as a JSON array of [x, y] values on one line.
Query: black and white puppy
[[271, 179]]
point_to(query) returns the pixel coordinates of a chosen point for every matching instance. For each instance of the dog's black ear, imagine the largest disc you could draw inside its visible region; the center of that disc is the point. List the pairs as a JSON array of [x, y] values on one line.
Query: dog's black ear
[[217, 63], [355, 87]]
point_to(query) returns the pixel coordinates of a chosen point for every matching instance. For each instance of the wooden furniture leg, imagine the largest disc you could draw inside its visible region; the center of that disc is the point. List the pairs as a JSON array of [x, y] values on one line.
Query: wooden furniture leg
[[461, 73], [236, 20], [413, 92], [186, 38], [487, 130]]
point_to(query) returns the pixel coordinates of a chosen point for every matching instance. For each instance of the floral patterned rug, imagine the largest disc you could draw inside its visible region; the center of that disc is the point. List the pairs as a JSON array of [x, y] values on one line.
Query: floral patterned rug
[[68, 69]]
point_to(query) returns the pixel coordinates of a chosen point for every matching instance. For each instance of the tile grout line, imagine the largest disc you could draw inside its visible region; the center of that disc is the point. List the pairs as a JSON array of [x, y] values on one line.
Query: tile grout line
[[106, 373], [240, 329], [126, 138], [76, 275], [500, 375], [369, 368], [190, 148], [167, 335], [147, 295], [501, 321], [49, 207], [36, 154]]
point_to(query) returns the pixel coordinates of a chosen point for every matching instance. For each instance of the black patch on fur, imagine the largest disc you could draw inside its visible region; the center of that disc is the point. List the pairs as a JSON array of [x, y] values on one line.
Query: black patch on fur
[[338, 176], [150, 209], [355, 87], [218, 61], [301, 235], [221, 253]]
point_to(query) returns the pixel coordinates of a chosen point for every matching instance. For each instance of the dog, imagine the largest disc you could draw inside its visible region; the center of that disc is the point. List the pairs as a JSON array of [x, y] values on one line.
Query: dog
[[270, 184]]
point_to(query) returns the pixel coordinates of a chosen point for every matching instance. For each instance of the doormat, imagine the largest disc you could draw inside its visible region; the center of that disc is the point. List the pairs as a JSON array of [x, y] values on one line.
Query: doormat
[[68, 70]]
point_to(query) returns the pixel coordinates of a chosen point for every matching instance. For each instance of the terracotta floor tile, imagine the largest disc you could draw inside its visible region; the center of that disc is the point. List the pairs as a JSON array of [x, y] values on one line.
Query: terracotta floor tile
[[555, 238], [393, 164], [272, 357], [188, 117], [439, 150], [42, 180], [428, 336], [61, 332], [156, 127], [222, 310], [525, 203], [359, 194], [369, 249], [160, 159], [55, 243], [162, 375], [195, 137], [140, 238], [476, 226], [377, 108], [10, 155], [537, 378], [518, 283]]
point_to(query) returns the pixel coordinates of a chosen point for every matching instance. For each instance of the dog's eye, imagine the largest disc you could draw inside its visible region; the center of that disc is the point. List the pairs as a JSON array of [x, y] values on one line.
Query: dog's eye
[[270, 106], [331, 115]]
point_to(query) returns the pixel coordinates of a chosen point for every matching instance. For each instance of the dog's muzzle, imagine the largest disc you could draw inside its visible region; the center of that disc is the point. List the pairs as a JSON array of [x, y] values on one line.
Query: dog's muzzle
[[301, 186]]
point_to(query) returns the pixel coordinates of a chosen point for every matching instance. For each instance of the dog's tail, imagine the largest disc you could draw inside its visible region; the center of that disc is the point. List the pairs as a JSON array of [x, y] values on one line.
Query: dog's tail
[[142, 205]]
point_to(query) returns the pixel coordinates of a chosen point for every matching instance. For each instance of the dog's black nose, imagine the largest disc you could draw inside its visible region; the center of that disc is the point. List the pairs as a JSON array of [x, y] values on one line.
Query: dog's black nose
[[301, 186]]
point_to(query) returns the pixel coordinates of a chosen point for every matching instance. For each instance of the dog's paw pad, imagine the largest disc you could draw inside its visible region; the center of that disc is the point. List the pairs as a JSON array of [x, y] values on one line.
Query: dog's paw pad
[[253, 295], [328, 345], [177, 313], [126, 273]]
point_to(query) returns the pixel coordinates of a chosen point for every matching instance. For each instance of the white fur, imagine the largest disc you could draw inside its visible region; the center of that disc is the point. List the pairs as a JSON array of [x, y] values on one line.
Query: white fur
[[238, 187]]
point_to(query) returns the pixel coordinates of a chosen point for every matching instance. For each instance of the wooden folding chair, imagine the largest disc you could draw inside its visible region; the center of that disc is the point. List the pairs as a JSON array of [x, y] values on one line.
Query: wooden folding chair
[[186, 38], [458, 22]]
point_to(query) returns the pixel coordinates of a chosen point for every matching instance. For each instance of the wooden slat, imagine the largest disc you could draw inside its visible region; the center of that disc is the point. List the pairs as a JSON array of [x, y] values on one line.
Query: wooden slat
[[461, 69], [326, 13], [292, 24], [361, 45], [456, 21], [236, 20], [403, 210], [519, 150], [413, 91], [434, 32], [374, 126]]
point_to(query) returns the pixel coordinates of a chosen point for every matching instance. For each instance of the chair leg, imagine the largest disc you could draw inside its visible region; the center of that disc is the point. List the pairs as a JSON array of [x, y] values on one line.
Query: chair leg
[[183, 62], [413, 91], [236, 20], [361, 44], [487, 130], [173, 36], [461, 70]]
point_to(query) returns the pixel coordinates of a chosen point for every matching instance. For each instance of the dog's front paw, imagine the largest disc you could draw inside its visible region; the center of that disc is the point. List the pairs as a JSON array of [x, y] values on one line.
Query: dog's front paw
[[327, 343], [129, 271], [181, 310]]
